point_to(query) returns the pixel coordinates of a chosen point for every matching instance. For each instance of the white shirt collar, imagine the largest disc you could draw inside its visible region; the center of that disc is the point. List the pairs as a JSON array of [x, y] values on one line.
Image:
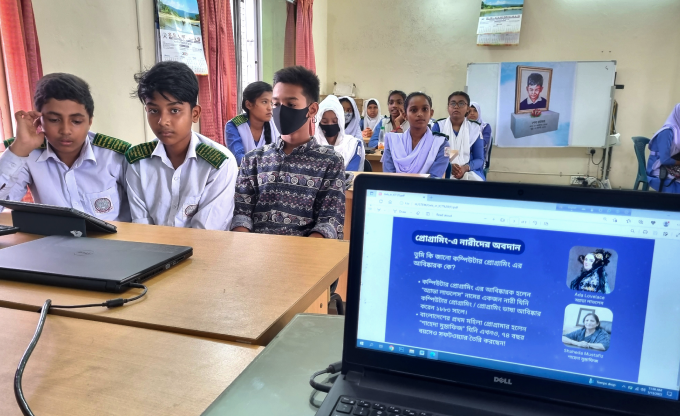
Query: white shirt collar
[[159, 151], [86, 153]]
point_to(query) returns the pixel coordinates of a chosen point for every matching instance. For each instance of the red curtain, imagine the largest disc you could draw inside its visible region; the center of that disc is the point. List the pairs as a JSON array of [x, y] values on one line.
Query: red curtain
[[20, 53], [22, 66], [304, 42], [217, 94], [289, 40]]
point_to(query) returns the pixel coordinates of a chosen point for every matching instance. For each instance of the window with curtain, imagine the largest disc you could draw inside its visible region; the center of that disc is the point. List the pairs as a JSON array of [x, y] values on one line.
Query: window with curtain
[[21, 65]]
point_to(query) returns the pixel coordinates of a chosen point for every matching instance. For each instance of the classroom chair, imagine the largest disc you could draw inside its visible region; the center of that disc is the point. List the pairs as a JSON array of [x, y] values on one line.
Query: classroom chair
[[367, 166], [487, 163], [640, 143]]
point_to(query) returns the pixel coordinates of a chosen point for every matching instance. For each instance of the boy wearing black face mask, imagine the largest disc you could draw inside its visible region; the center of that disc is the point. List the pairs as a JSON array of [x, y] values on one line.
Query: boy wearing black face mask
[[296, 186]]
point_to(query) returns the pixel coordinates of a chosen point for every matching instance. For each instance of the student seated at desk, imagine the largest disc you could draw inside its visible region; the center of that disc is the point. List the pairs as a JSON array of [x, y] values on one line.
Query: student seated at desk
[[330, 131], [475, 114], [464, 136], [370, 118], [352, 116], [396, 122], [240, 131], [418, 149], [296, 186], [59, 159], [664, 151], [182, 179]]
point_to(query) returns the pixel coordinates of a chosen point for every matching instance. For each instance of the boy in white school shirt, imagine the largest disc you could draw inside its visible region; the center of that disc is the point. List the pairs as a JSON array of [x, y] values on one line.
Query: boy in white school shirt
[[183, 179], [59, 159]]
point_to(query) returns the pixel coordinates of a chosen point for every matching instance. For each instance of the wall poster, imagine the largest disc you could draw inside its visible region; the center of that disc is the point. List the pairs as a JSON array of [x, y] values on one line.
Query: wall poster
[[179, 34]]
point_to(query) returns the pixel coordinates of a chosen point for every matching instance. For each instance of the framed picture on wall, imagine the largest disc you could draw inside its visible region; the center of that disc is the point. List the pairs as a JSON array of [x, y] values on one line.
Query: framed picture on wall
[[533, 89]]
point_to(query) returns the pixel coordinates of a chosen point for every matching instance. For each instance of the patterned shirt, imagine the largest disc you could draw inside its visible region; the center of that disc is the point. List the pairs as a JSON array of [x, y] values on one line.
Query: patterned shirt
[[295, 194]]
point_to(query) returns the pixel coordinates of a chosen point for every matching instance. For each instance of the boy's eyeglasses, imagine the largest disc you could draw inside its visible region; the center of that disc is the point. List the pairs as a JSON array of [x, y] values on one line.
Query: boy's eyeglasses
[[460, 104]]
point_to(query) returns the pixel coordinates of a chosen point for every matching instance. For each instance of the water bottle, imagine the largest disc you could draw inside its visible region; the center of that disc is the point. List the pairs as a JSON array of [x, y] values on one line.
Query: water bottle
[[381, 139]]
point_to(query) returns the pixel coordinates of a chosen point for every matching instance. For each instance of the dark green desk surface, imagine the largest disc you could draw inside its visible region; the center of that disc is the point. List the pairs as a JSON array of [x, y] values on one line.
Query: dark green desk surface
[[277, 381]]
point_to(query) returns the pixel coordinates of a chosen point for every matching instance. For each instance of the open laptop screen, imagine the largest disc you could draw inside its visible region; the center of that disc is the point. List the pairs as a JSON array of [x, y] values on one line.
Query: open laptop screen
[[581, 294]]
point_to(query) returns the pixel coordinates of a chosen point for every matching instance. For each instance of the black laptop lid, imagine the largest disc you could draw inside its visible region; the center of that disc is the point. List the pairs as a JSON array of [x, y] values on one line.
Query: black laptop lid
[[563, 293], [90, 260]]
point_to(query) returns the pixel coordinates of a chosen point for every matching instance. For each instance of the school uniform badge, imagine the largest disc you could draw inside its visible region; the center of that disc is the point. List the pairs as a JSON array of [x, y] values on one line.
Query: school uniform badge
[[103, 205], [191, 210]]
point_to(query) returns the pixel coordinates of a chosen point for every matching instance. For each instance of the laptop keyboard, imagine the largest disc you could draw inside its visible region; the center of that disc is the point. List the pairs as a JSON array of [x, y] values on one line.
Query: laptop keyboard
[[349, 406]]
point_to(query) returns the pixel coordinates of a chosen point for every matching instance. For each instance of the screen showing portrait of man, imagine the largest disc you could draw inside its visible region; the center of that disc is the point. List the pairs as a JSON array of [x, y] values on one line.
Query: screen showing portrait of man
[[534, 90]]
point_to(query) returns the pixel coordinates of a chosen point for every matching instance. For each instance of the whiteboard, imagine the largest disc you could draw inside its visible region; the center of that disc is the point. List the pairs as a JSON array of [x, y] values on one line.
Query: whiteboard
[[592, 104]]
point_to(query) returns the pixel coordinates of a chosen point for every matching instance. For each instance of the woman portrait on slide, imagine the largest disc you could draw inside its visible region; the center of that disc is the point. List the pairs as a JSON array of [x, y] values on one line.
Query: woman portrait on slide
[[593, 276], [591, 336]]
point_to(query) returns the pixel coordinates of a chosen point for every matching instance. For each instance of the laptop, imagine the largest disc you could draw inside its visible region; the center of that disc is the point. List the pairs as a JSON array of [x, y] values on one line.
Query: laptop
[[88, 263], [469, 298]]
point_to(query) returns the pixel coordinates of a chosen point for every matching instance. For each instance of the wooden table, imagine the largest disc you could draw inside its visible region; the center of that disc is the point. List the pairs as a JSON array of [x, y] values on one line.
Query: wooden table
[[84, 368], [376, 164], [237, 286]]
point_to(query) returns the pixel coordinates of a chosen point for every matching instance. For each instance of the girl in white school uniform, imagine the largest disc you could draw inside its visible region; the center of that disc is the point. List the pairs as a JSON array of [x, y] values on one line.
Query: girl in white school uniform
[[330, 131], [418, 149], [257, 122], [475, 114], [465, 137], [396, 121], [371, 117], [352, 116]]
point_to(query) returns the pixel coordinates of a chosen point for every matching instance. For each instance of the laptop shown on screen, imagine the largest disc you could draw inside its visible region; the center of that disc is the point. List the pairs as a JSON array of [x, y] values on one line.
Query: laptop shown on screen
[[495, 298]]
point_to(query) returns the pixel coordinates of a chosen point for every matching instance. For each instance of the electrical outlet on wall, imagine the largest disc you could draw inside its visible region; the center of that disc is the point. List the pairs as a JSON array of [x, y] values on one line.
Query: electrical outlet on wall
[[577, 180]]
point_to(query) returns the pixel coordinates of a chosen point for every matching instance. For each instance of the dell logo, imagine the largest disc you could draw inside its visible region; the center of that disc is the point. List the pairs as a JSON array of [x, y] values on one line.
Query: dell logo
[[502, 380]]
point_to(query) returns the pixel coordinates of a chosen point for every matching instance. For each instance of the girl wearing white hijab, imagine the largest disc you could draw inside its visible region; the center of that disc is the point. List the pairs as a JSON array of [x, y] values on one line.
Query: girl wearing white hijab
[[418, 149], [475, 114], [330, 130], [352, 116], [371, 117], [465, 137]]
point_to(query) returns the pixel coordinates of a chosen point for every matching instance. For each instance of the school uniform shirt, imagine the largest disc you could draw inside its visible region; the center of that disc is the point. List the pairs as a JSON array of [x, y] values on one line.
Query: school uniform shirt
[[472, 155], [240, 139], [94, 184], [387, 122], [660, 154], [296, 194], [349, 147], [486, 132], [663, 148], [429, 155], [198, 194]]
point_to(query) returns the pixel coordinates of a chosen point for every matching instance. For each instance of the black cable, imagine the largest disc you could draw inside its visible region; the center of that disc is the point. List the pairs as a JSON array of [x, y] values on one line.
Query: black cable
[[331, 369], [18, 375], [111, 303], [18, 392], [592, 159]]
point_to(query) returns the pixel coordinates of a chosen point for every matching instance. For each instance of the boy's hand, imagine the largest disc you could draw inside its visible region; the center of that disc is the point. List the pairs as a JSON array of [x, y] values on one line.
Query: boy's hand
[[316, 235], [241, 230], [29, 133]]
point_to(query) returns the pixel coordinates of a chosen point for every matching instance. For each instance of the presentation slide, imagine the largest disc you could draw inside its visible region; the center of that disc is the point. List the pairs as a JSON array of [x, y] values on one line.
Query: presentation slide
[[558, 300]]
